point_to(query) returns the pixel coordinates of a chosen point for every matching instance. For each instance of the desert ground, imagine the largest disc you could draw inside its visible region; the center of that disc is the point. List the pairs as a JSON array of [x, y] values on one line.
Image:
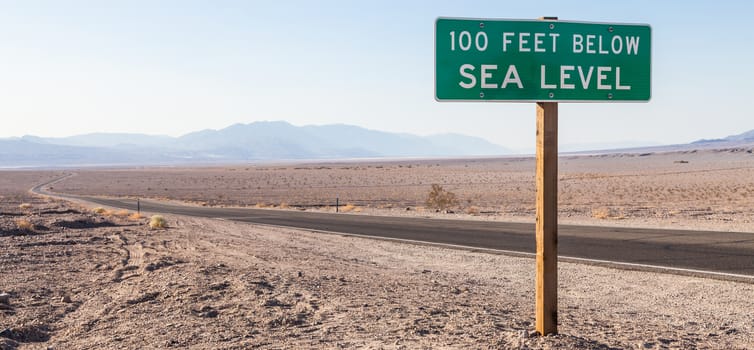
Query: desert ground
[[78, 277], [709, 189]]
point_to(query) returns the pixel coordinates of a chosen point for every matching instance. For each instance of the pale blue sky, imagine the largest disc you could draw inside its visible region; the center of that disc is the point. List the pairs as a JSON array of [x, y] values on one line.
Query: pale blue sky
[[172, 67]]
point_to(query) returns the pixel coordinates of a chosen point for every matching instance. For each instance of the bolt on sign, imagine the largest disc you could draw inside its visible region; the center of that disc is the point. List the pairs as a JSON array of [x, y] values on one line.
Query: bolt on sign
[[545, 61]]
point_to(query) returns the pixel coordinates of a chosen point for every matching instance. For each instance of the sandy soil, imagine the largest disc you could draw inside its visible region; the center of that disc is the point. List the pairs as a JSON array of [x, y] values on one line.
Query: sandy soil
[[712, 189], [74, 279], [79, 280]]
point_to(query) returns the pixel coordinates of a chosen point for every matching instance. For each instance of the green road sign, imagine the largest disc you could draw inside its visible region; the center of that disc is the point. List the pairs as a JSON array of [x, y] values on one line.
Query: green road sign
[[541, 60]]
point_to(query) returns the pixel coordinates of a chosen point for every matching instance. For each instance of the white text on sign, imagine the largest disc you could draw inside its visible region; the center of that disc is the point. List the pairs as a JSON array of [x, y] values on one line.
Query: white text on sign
[[606, 78], [569, 77]]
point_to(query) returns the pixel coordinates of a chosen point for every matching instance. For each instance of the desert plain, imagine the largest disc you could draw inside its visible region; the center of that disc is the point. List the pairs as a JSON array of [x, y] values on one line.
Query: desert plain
[[709, 189], [78, 278]]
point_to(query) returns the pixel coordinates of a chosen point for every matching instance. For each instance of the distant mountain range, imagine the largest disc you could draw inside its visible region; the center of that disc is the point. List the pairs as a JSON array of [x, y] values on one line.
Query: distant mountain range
[[271, 141], [257, 141], [739, 141], [744, 137]]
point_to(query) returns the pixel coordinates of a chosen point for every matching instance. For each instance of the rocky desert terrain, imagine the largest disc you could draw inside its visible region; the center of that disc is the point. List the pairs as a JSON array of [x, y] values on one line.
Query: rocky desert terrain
[[79, 277]]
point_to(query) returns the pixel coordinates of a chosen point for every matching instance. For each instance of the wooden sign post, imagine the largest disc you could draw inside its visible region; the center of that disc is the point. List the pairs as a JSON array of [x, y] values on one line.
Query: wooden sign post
[[546, 310], [547, 218]]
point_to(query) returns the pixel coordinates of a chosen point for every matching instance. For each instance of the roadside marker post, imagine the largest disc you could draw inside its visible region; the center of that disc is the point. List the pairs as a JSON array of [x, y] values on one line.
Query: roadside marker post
[[544, 61]]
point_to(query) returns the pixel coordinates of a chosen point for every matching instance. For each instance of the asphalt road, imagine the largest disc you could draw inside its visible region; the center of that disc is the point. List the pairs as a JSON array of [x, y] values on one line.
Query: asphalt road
[[716, 252]]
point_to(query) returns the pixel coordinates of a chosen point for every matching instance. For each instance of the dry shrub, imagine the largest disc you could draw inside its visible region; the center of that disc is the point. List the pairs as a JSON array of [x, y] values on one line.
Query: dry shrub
[[25, 206], [472, 210], [99, 210], [260, 205], [135, 216], [283, 205], [441, 199], [157, 222], [122, 213], [601, 213], [607, 213], [348, 207], [25, 225]]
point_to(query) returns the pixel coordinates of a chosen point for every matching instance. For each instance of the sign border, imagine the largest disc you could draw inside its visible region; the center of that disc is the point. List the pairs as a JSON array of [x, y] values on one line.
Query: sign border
[[434, 71]]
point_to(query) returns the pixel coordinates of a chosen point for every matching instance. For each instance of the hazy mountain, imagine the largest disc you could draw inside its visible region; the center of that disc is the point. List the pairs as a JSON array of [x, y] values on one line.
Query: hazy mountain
[[457, 144], [740, 141], [106, 140], [271, 141], [265, 140], [747, 136], [238, 142], [25, 152], [743, 137], [260, 140]]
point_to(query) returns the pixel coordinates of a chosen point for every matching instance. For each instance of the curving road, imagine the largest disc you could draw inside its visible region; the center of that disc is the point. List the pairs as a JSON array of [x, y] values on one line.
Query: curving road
[[725, 255]]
